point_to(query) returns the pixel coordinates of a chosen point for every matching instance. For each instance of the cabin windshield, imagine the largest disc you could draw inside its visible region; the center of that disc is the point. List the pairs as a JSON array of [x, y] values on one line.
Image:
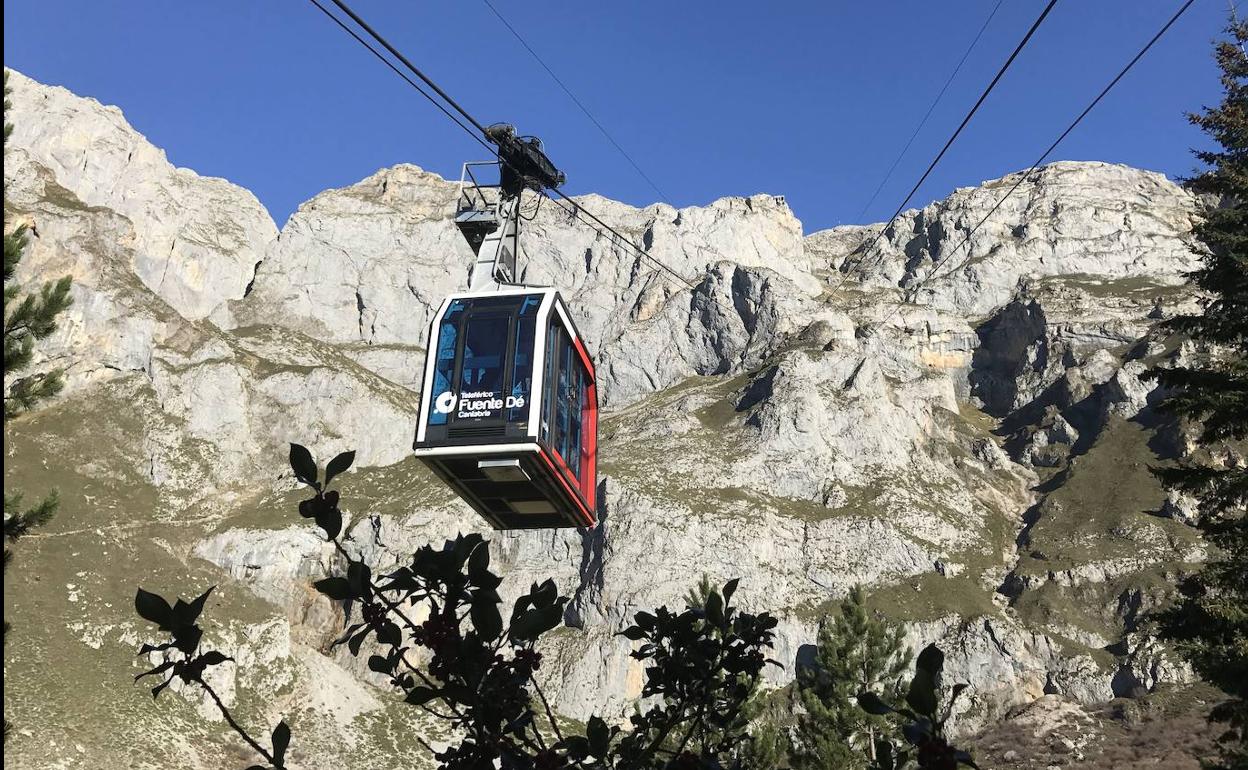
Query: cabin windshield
[[483, 367], [485, 345], [522, 361]]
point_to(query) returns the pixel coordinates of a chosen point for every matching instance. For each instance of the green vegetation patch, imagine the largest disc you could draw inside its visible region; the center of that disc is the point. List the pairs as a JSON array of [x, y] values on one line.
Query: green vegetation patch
[[1105, 509]]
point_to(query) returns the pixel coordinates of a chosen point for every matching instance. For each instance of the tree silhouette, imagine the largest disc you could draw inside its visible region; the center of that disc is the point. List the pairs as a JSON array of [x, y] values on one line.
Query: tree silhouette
[[479, 672], [1210, 623]]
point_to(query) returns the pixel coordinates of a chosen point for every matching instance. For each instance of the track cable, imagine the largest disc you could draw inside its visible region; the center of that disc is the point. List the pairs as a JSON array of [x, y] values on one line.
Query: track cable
[[965, 120], [923, 122], [933, 275], [601, 129], [582, 213]]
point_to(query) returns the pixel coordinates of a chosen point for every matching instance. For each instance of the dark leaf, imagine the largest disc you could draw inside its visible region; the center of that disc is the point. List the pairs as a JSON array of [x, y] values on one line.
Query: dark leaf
[[336, 588], [153, 608], [329, 518], [522, 603], [390, 634], [147, 648], [281, 739], [533, 623], [545, 594], [186, 638], [872, 704], [162, 668], [338, 465], [303, 465], [633, 632], [953, 698], [380, 665], [730, 588], [214, 658], [715, 608], [922, 693], [185, 614], [418, 696], [346, 635], [577, 747], [486, 618], [479, 560], [197, 606], [932, 660], [359, 576], [598, 735], [160, 687], [353, 644], [486, 580]]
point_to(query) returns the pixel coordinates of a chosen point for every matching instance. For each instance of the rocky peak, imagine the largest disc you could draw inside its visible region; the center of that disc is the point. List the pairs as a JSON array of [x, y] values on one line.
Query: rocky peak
[[197, 239], [976, 459]]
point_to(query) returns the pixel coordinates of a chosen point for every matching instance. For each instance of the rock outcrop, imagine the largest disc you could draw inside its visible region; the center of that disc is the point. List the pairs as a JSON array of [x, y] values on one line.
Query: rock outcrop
[[977, 459]]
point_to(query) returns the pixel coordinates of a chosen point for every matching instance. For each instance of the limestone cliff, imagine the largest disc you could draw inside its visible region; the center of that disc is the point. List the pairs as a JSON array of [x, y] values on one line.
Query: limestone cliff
[[977, 458]]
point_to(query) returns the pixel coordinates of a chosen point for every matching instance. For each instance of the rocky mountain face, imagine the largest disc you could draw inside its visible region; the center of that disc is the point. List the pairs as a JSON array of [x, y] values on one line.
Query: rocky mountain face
[[977, 457]]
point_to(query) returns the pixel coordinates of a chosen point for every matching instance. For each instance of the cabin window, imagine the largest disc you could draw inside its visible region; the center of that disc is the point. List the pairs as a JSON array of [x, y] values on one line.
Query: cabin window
[[522, 362], [561, 397], [483, 367], [444, 369], [572, 397], [548, 395], [588, 427]]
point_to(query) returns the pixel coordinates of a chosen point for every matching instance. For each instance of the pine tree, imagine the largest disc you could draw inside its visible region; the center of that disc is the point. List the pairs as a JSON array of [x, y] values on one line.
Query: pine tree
[[1210, 623], [768, 747], [27, 318], [856, 652]]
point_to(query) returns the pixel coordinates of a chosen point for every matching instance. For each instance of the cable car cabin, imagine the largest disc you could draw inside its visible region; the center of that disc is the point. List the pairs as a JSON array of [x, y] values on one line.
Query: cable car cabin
[[509, 412]]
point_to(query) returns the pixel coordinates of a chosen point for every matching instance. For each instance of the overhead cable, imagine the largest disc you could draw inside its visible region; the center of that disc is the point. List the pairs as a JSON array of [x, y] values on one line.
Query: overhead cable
[[932, 275], [400, 73], [580, 209], [984, 95], [928, 114], [602, 129], [396, 54]]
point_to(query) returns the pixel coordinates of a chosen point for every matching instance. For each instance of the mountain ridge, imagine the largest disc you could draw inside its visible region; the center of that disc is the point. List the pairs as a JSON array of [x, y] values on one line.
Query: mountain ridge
[[959, 457]]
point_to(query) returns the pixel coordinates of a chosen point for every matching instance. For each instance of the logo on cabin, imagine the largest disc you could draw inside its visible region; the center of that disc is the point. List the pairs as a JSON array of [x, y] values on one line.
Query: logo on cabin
[[445, 402], [478, 404]]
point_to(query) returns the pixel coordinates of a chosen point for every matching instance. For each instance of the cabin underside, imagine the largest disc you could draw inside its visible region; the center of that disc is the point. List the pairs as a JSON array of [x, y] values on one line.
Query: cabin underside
[[520, 488]]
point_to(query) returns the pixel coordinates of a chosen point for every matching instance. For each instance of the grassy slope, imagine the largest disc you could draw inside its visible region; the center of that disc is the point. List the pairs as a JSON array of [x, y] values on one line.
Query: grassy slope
[[69, 595], [65, 671]]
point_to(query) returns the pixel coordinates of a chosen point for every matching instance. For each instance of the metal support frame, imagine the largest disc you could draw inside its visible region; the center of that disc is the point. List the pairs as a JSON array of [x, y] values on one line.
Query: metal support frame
[[490, 221], [495, 265]]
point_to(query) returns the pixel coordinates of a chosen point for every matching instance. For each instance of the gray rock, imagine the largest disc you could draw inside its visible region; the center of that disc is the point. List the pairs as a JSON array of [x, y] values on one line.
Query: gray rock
[[768, 423]]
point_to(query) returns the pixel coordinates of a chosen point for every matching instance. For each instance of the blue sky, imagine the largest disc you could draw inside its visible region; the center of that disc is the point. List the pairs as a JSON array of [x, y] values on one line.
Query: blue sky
[[808, 99]]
